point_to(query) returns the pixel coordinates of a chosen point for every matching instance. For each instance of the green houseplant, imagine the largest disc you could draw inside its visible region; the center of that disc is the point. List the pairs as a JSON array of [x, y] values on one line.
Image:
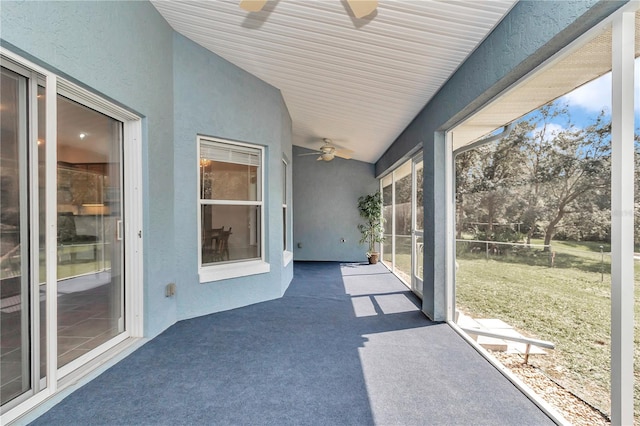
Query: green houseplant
[[370, 208]]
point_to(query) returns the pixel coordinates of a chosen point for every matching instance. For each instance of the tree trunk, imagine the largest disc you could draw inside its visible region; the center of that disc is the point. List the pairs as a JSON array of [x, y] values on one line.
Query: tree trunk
[[490, 214], [551, 228], [459, 212], [530, 232]]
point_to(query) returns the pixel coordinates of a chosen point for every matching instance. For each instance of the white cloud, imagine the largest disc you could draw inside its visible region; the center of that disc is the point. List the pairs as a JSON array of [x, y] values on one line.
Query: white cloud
[[596, 95], [551, 131], [593, 96]]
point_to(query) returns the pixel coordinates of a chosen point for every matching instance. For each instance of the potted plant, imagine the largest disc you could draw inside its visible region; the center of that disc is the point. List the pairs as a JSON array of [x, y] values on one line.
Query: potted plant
[[370, 207]]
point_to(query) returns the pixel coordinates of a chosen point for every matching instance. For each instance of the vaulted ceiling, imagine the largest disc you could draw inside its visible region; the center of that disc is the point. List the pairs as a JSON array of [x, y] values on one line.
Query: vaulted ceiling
[[356, 81]]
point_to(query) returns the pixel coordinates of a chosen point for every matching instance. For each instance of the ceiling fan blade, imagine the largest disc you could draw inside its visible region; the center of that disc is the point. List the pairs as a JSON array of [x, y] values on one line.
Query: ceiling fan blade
[[362, 8], [252, 5], [308, 153], [343, 153]]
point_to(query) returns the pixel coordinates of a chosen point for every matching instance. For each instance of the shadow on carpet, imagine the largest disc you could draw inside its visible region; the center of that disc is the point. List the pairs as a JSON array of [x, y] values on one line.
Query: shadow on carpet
[[346, 345]]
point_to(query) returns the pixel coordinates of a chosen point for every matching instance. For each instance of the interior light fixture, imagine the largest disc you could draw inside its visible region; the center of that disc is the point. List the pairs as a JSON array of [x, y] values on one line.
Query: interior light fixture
[[83, 135]]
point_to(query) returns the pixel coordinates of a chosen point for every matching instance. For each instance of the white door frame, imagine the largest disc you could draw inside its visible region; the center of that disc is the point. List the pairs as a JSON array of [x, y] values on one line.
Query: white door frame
[[133, 263]]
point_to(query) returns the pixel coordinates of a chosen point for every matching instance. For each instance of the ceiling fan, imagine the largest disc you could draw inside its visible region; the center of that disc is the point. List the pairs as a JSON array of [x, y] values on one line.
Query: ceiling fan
[[328, 151], [360, 8]]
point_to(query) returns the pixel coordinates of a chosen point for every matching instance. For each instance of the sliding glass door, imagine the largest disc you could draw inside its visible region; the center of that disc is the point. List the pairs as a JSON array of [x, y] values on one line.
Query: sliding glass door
[[417, 227], [62, 235], [15, 319], [89, 218], [403, 214]]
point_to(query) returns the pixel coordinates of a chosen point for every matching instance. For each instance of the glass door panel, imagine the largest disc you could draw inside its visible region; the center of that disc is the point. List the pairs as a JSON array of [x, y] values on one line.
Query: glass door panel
[[89, 246], [387, 213], [15, 347], [40, 279], [418, 229], [402, 222]]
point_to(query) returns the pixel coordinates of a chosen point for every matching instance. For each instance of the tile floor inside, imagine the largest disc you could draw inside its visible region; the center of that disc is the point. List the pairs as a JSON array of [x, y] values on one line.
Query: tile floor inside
[[89, 309]]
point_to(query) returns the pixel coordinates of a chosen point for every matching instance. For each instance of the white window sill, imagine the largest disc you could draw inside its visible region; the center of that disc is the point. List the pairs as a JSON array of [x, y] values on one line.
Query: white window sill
[[287, 257], [233, 270]]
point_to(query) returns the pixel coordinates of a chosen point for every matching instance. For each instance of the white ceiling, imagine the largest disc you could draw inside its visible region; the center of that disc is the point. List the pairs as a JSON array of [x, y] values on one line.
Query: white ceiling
[[357, 81]]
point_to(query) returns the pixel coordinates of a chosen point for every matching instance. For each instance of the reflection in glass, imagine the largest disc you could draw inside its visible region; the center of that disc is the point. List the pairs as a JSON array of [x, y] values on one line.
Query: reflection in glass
[[419, 271], [42, 239], [228, 181], [90, 293], [419, 198], [15, 374], [230, 233], [387, 213], [402, 219]]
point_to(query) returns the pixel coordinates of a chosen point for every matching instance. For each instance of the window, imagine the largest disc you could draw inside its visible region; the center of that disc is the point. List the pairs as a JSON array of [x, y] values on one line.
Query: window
[[230, 205]]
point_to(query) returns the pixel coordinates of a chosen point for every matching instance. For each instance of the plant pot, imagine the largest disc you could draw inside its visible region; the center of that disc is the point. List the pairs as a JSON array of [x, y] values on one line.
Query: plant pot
[[373, 258]]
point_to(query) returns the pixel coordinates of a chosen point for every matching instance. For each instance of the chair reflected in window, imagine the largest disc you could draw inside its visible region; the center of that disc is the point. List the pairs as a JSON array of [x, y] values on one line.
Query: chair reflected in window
[[215, 245], [221, 249], [209, 238]]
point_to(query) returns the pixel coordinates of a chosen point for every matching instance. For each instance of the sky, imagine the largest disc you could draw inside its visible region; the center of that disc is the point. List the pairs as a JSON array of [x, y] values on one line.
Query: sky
[[586, 102]]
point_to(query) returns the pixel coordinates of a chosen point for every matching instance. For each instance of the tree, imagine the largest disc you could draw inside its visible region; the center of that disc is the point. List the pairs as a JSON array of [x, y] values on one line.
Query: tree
[[574, 171], [545, 171], [464, 184], [533, 138], [484, 178], [370, 209]]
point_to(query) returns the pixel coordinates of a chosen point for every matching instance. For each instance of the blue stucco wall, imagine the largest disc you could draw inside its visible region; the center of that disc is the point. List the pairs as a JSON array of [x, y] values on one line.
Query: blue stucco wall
[[215, 98], [126, 52], [325, 201], [122, 50]]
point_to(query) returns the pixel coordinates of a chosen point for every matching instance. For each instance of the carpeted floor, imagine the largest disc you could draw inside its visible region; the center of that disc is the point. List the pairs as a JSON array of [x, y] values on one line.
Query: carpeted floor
[[347, 345]]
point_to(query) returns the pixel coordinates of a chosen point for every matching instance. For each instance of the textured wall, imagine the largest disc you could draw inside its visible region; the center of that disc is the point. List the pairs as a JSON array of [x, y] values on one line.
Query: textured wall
[[215, 98], [129, 54], [325, 207], [122, 50]]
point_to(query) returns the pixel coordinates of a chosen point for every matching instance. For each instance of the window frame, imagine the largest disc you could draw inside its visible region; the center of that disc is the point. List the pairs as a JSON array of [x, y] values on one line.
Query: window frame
[[235, 268], [287, 253]]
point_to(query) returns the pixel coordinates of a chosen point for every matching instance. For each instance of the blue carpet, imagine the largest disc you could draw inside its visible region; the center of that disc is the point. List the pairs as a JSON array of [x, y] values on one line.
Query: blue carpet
[[346, 345]]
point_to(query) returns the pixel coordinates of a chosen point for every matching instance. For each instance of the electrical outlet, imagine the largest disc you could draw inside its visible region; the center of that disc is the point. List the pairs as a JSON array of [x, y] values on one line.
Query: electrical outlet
[[170, 290]]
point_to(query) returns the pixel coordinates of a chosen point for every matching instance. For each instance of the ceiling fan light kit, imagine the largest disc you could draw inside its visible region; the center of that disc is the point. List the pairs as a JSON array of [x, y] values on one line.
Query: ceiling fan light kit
[[326, 156], [328, 151]]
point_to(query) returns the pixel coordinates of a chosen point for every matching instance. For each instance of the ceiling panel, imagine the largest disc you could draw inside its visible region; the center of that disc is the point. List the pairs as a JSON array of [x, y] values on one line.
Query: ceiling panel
[[357, 81], [581, 64]]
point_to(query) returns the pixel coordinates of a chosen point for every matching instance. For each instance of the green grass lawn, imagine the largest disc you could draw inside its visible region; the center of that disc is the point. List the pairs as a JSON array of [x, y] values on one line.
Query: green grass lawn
[[568, 304]]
